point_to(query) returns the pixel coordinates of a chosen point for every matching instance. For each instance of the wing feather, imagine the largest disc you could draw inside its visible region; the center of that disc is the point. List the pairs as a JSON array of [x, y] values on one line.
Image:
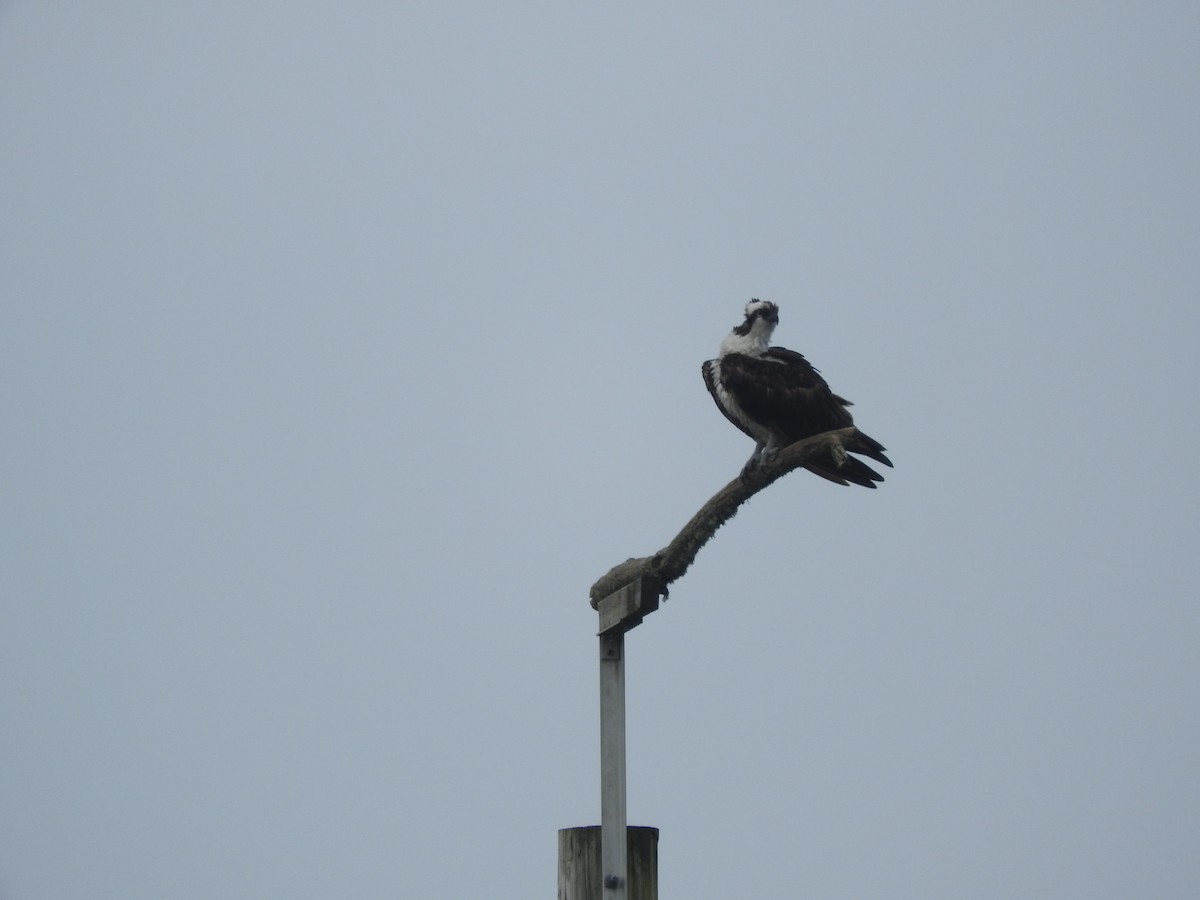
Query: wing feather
[[784, 391]]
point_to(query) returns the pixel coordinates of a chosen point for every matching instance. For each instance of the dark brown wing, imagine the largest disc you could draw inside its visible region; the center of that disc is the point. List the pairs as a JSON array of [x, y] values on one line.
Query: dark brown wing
[[785, 392], [865, 444]]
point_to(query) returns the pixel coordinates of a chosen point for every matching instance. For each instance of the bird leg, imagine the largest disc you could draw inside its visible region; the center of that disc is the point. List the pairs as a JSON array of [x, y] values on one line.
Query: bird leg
[[763, 454], [753, 462]]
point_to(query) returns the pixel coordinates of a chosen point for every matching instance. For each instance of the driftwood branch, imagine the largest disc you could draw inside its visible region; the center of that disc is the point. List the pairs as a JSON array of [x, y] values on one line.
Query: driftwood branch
[[673, 560]]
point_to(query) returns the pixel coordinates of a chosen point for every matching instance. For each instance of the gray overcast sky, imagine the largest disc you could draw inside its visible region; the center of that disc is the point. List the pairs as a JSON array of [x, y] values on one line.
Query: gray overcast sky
[[345, 345]]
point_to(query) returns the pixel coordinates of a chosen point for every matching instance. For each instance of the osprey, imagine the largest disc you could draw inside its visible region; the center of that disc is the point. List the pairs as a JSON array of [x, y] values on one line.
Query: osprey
[[776, 397]]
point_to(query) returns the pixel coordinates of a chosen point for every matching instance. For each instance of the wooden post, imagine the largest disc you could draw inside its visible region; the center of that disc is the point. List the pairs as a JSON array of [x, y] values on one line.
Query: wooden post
[[579, 866], [610, 878]]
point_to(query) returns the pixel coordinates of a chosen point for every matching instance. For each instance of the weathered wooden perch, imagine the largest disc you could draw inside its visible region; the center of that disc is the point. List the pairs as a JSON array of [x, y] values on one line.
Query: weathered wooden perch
[[624, 609], [673, 560]]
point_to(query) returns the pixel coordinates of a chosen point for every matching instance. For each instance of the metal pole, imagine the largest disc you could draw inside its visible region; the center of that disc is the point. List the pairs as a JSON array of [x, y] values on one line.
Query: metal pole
[[613, 861]]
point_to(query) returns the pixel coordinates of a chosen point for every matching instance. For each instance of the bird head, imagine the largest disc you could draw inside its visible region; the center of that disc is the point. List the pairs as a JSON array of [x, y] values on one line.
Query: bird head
[[754, 333], [762, 309]]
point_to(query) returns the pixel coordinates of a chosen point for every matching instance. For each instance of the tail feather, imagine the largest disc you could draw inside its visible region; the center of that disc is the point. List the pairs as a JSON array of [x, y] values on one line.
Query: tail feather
[[828, 472], [854, 471], [868, 446]]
